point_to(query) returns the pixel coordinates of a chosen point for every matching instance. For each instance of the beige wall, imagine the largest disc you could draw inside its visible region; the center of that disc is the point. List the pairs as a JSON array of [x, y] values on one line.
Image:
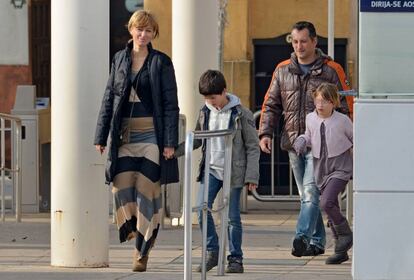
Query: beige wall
[[254, 19], [162, 10], [271, 18], [236, 32], [236, 67], [237, 74], [353, 44]]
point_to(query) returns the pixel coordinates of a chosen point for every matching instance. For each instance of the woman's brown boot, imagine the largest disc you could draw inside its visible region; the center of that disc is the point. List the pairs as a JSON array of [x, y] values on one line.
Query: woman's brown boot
[[139, 264]]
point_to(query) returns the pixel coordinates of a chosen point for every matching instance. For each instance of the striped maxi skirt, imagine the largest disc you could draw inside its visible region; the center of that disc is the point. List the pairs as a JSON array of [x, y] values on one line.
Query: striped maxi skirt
[[137, 192]]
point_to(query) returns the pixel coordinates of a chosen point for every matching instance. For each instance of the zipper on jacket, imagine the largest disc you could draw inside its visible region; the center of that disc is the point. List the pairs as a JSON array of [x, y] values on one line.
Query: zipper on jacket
[[300, 102], [307, 78], [151, 80], [122, 99], [205, 127], [234, 117]]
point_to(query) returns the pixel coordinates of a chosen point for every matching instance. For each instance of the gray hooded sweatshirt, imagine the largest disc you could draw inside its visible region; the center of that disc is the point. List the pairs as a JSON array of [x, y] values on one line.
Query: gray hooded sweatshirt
[[219, 119]]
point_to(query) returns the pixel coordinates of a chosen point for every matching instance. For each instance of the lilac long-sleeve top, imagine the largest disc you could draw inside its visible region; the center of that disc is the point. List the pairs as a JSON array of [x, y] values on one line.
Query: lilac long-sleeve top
[[338, 133]]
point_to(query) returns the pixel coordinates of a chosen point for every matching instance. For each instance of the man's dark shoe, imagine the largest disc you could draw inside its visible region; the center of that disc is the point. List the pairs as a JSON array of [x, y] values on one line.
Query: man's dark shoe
[[211, 261], [299, 246], [234, 265], [313, 250]]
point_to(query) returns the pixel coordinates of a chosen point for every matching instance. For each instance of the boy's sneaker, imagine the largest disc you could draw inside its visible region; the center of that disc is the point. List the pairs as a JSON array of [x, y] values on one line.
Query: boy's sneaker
[[234, 265], [211, 261], [299, 246]]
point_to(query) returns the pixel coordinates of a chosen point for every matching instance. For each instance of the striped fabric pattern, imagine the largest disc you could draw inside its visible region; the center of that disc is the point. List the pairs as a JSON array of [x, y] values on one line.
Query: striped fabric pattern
[[136, 186]]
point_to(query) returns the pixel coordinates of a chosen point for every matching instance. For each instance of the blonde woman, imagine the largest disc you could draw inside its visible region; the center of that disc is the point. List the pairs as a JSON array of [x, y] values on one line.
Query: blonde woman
[[140, 114]]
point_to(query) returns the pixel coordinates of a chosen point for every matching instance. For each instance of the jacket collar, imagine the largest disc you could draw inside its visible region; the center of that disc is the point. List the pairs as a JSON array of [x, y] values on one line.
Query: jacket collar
[[316, 69], [327, 121], [205, 116], [129, 45], [236, 109]]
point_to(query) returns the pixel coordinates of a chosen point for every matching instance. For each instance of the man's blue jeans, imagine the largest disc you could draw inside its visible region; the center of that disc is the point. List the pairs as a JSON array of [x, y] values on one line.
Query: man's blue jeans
[[234, 228], [310, 224]]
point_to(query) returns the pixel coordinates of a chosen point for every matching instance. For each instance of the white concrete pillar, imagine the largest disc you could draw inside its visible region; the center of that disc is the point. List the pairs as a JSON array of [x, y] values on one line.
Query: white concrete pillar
[[194, 50], [79, 198], [331, 28]]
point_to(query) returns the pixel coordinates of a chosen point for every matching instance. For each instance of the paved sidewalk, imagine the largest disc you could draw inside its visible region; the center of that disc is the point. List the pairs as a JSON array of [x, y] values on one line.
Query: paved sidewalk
[[25, 253]]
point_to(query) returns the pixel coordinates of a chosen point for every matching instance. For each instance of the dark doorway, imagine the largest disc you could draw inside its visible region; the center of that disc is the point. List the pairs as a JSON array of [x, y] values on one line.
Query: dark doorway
[[40, 46], [120, 12], [267, 54], [40, 58]]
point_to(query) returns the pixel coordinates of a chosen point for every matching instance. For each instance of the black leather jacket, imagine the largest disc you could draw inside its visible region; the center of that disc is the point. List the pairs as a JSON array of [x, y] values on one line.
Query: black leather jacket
[[164, 104]]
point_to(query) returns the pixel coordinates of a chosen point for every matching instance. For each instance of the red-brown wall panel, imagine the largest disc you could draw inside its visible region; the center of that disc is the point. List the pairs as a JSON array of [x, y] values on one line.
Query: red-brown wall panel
[[10, 77]]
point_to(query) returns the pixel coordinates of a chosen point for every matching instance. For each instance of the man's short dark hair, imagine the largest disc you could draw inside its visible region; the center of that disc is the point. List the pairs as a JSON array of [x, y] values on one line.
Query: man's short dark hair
[[211, 82], [300, 25]]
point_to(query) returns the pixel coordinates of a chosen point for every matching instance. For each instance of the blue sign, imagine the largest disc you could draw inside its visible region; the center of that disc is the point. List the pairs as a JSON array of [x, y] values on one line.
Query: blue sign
[[382, 6]]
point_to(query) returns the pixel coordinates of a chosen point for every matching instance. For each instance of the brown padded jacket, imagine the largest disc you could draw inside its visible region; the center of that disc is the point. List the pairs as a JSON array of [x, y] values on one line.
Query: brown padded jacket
[[290, 95]]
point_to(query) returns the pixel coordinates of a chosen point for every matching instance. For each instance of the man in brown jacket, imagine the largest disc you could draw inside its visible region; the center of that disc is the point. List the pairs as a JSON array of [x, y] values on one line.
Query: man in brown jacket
[[290, 95]]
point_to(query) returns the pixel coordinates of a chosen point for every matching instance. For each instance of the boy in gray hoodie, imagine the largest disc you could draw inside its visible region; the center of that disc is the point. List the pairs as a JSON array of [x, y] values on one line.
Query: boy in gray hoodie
[[223, 110]]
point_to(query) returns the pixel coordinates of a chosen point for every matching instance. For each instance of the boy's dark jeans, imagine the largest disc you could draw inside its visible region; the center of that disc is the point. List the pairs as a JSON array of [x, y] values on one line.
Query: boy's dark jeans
[[235, 227]]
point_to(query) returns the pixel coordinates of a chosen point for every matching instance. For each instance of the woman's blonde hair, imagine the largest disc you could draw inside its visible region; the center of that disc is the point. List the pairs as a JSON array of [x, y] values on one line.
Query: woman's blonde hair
[[328, 92], [142, 19]]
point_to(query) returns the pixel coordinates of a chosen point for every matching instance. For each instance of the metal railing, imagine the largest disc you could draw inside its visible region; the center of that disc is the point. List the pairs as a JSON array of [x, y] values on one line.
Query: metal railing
[[273, 196], [349, 200], [224, 209], [16, 136]]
